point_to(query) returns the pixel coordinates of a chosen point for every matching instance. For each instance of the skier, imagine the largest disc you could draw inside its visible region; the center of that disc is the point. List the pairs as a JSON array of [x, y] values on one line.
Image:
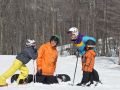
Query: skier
[[46, 61], [88, 60], [28, 53], [80, 42]]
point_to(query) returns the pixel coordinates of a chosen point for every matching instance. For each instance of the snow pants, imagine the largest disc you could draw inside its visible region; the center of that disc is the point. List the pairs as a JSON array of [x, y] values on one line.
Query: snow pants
[[90, 76], [46, 79], [17, 65], [87, 76]]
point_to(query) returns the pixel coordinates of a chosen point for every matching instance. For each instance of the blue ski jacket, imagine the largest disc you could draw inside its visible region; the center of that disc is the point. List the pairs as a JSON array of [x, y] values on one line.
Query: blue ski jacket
[[80, 42]]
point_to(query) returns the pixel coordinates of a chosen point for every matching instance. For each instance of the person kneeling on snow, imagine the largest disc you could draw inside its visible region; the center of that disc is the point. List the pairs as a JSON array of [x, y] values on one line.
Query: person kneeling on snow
[[28, 53], [46, 61]]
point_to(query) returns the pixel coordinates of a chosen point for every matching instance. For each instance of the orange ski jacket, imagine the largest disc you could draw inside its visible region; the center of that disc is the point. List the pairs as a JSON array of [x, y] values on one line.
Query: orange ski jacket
[[88, 61], [47, 58]]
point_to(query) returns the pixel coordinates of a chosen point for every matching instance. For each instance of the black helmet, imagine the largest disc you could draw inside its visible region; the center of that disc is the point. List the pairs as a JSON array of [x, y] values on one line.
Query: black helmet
[[55, 38], [90, 43]]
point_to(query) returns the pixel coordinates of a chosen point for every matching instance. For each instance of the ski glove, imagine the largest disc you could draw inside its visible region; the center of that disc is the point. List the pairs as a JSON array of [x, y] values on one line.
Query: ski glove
[[39, 73], [77, 52]]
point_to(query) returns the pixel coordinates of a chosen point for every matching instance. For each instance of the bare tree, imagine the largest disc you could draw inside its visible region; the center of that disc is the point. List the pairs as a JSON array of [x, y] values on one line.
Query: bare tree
[[39, 19]]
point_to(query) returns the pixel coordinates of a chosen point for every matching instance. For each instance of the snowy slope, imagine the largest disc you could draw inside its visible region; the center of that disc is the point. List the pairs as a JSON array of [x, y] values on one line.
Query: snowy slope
[[108, 70]]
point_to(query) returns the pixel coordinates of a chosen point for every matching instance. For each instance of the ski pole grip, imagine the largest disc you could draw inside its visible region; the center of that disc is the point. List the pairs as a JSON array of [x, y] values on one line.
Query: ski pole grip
[[77, 52]]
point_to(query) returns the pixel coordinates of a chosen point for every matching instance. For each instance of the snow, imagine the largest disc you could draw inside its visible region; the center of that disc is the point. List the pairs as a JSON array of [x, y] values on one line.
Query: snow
[[107, 67]]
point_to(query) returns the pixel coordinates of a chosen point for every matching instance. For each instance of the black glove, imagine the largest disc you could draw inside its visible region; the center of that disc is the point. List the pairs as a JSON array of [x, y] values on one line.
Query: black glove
[[39, 73], [77, 52]]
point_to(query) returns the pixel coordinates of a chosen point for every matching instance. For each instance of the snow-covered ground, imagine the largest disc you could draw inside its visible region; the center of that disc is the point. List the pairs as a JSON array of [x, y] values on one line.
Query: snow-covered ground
[[107, 67]]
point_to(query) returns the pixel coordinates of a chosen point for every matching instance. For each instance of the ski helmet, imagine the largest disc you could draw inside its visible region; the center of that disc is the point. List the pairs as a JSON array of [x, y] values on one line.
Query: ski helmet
[[73, 30], [30, 42], [90, 43], [55, 38]]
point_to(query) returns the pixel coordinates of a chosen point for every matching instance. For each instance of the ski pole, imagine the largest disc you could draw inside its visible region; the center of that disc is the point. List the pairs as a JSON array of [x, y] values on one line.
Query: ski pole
[[75, 68], [34, 76]]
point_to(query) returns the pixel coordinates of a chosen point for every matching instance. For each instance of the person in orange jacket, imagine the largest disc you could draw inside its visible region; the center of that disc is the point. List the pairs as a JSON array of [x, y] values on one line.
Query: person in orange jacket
[[88, 60], [46, 61]]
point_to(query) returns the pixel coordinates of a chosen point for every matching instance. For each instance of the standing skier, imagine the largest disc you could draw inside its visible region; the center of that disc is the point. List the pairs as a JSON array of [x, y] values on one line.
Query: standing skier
[[46, 61], [28, 53], [80, 42], [88, 60]]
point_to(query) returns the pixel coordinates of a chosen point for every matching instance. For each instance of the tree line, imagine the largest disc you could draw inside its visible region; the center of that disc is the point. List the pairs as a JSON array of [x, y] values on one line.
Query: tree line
[[39, 19]]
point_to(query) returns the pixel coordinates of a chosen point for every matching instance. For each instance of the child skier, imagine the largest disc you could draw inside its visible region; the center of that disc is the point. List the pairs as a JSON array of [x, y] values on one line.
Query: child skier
[[28, 53], [88, 60]]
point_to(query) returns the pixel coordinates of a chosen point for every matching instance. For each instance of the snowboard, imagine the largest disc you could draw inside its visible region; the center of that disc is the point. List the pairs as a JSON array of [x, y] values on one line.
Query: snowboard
[[38, 79]]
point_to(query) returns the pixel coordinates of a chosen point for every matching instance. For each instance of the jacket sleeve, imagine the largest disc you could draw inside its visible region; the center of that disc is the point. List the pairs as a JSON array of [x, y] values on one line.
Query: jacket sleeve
[[40, 57], [32, 53], [56, 61], [88, 59]]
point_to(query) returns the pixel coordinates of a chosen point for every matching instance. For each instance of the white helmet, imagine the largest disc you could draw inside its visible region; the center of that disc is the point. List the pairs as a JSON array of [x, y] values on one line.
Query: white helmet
[[74, 30], [30, 42]]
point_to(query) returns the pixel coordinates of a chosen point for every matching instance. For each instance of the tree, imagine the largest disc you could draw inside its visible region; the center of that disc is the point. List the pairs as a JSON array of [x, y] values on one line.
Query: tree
[[39, 19]]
